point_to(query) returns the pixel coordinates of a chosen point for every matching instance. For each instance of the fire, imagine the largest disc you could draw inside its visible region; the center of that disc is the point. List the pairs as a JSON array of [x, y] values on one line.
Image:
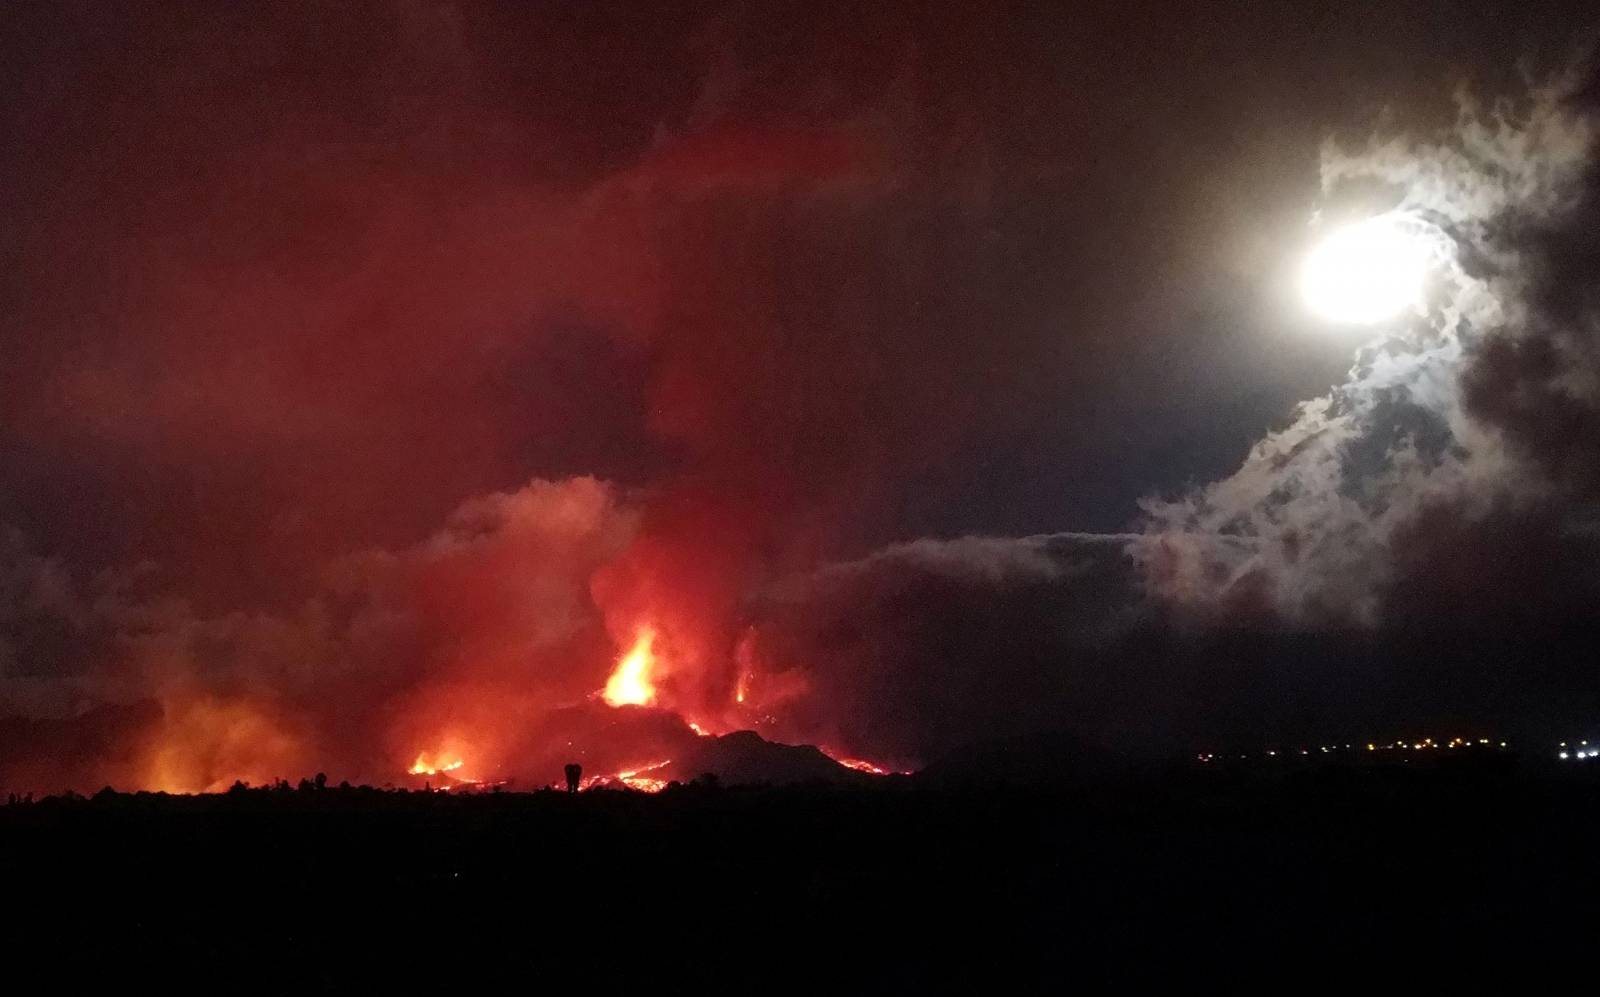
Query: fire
[[423, 767], [631, 683]]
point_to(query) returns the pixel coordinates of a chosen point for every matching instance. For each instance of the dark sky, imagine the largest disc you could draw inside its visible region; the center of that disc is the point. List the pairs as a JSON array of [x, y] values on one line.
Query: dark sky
[[285, 290]]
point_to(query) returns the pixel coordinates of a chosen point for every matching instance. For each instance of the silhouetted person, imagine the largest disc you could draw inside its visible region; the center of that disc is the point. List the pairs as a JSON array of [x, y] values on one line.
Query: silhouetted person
[[574, 773]]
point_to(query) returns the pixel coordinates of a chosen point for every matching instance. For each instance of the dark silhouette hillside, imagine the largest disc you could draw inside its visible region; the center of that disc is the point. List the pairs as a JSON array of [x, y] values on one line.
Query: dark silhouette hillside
[[1207, 879]]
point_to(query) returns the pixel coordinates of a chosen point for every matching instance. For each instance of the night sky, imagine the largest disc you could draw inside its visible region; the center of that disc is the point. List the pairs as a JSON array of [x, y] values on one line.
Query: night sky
[[370, 375]]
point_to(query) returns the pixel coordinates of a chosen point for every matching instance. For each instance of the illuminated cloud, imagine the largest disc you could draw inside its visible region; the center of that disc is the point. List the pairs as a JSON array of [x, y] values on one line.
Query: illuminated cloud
[[1315, 525]]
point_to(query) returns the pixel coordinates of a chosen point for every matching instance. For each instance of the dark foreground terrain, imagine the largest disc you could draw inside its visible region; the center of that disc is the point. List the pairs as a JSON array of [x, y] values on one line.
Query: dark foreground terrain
[[1382, 878]]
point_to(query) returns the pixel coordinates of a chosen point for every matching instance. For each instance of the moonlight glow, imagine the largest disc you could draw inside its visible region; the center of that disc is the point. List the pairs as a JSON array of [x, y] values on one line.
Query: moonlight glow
[[1366, 272]]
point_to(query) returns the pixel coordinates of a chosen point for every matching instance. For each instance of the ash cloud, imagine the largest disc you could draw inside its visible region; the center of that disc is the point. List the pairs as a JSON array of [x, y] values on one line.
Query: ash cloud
[[930, 644]]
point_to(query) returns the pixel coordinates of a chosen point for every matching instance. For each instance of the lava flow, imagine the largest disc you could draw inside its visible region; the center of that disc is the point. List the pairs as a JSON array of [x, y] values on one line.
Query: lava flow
[[632, 684], [640, 779], [859, 764]]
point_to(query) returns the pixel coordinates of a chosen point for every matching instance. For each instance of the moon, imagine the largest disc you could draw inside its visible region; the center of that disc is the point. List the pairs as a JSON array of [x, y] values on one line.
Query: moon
[[1366, 272]]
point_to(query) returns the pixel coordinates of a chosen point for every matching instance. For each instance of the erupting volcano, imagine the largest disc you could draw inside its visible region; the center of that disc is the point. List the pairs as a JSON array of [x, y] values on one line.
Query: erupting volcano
[[900, 436], [667, 711], [760, 379]]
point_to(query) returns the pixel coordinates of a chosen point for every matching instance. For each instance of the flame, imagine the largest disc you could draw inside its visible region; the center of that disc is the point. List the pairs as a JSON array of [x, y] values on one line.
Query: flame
[[423, 767], [631, 684]]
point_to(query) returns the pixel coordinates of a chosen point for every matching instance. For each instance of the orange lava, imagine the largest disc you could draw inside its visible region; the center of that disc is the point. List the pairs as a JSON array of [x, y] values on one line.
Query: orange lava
[[638, 779], [631, 683], [861, 766]]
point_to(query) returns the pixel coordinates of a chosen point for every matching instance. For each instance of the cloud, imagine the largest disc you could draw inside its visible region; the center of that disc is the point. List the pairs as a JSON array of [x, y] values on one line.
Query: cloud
[[1460, 413], [922, 646]]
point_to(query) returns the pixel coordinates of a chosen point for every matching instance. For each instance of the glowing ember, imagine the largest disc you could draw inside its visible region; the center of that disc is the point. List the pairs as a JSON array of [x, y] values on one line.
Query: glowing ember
[[423, 767], [630, 684], [699, 729]]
